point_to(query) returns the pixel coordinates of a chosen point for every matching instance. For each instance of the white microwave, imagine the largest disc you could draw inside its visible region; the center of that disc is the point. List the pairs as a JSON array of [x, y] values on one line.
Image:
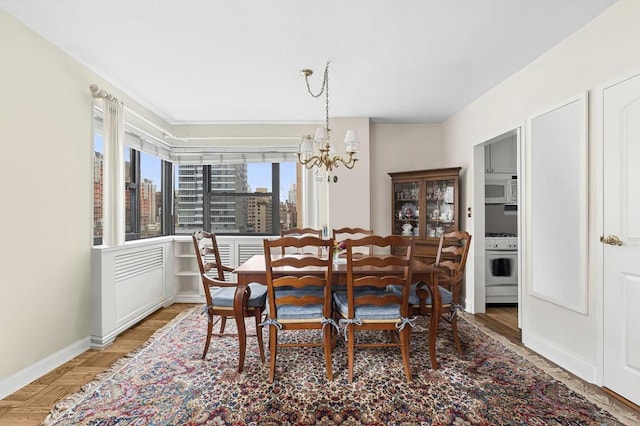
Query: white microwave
[[500, 189]]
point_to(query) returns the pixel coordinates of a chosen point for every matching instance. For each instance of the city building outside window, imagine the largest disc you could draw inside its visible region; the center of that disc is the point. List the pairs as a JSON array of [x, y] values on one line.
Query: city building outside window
[[247, 198], [98, 178], [150, 189], [143, 194]]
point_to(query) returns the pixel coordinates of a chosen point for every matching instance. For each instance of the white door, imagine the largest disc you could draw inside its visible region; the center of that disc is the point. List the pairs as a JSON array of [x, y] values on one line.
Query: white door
[[621, 142]]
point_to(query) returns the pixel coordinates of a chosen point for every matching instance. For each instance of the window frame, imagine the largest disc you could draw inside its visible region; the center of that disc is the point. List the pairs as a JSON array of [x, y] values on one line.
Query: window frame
[[208, 194], [134, 196]]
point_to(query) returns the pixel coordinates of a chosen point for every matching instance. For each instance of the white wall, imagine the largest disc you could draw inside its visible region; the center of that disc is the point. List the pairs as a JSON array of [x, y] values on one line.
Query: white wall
[[396, 148], [349, 198], [45, 117], [603, 50], [46, 186]]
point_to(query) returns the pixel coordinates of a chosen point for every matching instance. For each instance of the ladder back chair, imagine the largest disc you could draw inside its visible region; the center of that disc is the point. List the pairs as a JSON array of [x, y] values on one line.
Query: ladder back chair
[[368, 305], [300, 232], [341, 234], [451, 259], [298, 299], [220, 294]]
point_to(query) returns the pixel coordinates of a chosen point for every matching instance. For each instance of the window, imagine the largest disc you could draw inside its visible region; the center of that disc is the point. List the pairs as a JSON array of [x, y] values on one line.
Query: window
[[130, 192], [246, 198], [98, 179], [150, 196], [143, 194], [144, 176], [160, 198]]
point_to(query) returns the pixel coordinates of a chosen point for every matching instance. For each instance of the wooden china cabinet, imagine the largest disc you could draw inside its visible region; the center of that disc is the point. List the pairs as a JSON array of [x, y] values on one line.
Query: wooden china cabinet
[[425, 204]]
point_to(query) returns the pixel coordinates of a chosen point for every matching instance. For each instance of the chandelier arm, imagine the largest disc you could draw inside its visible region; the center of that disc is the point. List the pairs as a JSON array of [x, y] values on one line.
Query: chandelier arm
[[349, 163], [310, 162]]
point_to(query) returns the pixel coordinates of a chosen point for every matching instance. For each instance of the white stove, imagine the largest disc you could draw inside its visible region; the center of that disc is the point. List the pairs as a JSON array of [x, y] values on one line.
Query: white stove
[[501, 277]]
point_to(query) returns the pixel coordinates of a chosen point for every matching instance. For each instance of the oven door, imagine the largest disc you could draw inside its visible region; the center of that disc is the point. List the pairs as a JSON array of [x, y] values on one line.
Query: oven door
[[501, 273], [502, 267]]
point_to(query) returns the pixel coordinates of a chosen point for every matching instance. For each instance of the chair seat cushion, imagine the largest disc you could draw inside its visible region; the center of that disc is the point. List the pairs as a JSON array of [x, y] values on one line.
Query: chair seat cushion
[[224, 296], [300, 312], [445, 295], [343, 288], [366, 312]]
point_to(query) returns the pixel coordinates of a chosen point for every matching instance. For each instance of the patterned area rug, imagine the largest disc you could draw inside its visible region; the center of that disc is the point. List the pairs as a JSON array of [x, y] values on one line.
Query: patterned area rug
[[166, 383]]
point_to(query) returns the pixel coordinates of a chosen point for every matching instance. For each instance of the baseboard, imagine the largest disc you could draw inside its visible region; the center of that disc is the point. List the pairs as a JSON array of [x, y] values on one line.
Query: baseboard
[[188, 298], [27, 375], [562, 358], [102, 341]]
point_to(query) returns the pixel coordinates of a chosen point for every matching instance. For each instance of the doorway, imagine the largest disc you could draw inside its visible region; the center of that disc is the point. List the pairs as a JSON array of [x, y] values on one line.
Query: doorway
[[497, 224]]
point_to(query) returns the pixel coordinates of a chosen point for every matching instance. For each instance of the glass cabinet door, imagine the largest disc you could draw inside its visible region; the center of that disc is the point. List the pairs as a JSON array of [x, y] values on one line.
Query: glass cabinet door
[[441, 211], [406, 204]]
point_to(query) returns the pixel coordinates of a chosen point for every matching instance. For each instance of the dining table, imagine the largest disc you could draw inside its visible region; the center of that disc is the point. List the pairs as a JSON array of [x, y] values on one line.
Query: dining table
[[254, 271]]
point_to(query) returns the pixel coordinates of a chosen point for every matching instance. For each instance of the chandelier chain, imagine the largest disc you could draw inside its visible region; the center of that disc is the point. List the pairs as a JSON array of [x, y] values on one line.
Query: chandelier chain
[[324, 89], [326, 83]]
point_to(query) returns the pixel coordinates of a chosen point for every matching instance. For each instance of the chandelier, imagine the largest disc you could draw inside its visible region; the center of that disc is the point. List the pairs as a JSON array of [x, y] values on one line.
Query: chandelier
[[319, 151]]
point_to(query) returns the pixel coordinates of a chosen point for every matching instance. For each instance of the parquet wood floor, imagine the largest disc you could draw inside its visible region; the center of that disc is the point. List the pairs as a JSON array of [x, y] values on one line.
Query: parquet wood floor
[[31, 404]]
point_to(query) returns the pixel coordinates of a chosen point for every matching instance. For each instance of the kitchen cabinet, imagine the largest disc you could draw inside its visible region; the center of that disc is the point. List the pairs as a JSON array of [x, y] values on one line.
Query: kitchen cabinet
[[425, 204], [501, 156]]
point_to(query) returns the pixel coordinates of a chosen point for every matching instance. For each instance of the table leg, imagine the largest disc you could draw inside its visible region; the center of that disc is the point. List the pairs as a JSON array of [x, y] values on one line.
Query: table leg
[[238, 310]]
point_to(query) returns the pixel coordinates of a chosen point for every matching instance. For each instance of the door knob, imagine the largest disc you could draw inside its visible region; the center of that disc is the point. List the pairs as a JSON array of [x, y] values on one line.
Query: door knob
[[611, 240]]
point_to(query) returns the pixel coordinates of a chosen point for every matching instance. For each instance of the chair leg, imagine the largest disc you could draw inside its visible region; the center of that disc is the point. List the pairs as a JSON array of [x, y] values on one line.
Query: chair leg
[[334, 334], [432, 338], [456, 337], [351, 347], [334, 339], [223, 323], [405, 336], [328, 342], [259, 333], [273, 348], [209, 332]]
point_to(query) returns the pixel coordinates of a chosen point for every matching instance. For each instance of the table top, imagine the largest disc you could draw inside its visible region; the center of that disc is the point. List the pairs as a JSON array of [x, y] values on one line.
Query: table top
[[256, 264]]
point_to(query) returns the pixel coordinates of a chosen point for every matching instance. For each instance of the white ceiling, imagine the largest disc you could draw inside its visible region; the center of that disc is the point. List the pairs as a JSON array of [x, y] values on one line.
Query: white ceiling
[[240, 60]]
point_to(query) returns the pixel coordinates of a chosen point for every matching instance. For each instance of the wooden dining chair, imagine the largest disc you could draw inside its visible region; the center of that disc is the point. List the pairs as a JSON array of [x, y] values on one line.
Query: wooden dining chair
[[300, 232], [368, 305], [220, 294], [299, 300], [341, 234], [451, 259]]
